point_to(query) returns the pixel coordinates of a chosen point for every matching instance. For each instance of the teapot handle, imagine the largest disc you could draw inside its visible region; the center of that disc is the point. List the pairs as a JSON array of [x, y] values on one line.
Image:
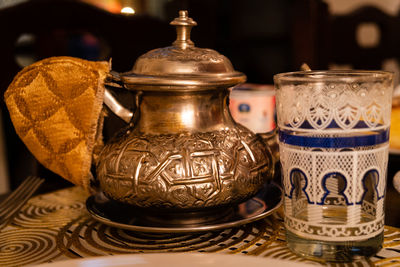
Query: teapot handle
[[113, 79], [271, 141]]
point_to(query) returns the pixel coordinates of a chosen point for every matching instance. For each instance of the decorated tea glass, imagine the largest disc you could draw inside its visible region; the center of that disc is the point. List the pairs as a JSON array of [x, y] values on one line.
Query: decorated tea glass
[[333, 142]]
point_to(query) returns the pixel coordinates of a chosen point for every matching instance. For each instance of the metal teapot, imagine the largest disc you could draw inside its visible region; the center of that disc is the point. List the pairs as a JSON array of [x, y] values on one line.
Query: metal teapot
[[182, 151]]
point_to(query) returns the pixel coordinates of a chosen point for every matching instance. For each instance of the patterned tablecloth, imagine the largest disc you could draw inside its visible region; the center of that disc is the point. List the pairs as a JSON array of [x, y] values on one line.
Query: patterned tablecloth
[[57, 226]]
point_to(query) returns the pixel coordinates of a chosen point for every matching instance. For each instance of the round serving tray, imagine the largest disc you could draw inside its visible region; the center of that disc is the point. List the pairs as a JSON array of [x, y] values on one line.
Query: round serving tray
[[112, 213]]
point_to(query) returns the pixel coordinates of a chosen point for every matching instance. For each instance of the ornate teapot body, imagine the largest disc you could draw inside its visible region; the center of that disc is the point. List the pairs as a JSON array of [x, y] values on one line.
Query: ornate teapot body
[[182, 150]]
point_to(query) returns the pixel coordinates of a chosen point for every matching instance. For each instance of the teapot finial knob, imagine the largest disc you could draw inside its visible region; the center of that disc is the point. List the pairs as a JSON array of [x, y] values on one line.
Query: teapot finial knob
[[183, 26]]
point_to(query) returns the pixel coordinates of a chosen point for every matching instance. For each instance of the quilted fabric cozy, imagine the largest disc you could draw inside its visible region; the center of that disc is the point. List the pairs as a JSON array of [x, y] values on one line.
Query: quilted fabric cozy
[[55, 105]]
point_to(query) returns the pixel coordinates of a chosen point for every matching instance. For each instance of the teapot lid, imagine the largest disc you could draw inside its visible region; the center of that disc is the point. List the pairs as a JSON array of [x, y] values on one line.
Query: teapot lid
[[182, 66]]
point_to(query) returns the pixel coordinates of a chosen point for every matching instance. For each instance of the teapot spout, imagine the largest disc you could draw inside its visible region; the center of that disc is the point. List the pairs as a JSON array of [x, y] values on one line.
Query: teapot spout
[[112, 103]]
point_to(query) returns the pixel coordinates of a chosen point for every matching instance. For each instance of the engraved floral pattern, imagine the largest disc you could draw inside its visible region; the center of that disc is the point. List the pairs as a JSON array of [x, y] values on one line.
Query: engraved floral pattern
[[177, 54], [184, 170]]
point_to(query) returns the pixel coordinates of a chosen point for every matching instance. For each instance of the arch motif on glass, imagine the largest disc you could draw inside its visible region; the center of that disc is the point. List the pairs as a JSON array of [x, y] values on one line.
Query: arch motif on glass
[[370, 196], [298, 194], [334, 185]]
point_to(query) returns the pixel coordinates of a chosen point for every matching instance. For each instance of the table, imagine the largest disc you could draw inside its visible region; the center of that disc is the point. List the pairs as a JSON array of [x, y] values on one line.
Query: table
[[56, 226]]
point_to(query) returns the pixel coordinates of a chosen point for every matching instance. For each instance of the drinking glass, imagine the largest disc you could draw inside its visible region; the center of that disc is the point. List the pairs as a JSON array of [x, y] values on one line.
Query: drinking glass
[[333, 143]]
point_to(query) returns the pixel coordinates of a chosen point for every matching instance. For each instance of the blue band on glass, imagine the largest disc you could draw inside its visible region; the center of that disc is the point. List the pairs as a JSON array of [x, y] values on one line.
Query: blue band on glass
[[375, 138]]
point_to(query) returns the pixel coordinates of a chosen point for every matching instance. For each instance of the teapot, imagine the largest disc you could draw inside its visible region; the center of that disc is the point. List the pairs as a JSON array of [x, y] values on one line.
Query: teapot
[[181, 150]]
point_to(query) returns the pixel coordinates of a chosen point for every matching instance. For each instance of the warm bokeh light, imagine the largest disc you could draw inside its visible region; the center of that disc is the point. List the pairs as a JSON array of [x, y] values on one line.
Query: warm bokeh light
[[128, 10], [113, 6]]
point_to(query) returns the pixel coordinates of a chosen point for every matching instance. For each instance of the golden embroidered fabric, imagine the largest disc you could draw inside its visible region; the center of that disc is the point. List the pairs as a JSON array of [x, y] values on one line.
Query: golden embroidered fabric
[[55, 106]]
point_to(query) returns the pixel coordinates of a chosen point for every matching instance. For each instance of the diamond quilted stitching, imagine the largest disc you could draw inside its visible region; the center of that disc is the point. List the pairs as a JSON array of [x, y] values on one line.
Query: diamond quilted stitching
[[77, 84], [24, 124], [37, 105], [58, 129], [81, 121], [55, 105], [73, 161], [32, 142]]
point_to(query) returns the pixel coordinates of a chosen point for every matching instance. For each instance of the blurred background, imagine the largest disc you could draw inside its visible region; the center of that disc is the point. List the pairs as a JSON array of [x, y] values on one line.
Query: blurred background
[[260, 37]]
